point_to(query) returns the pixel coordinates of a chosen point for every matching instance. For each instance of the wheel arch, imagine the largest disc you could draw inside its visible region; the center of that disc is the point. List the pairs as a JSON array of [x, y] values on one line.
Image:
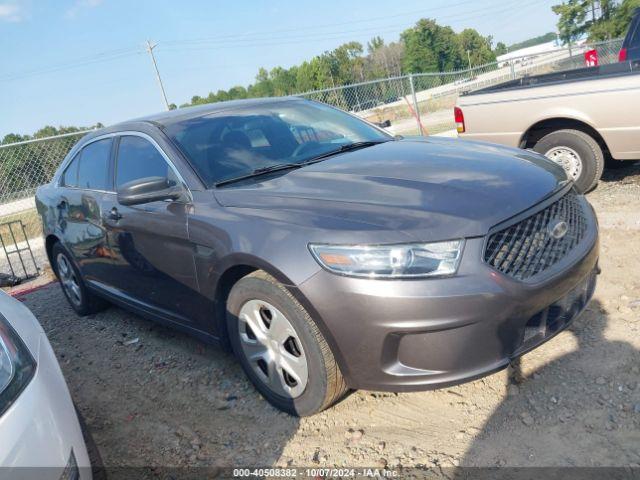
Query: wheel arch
[[237, 266], [49, 242], [548, 125]]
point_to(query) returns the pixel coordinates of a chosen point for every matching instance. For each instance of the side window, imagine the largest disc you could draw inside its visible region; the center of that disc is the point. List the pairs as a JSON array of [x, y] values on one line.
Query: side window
[[93, 170], [70, 175], [138, 158]]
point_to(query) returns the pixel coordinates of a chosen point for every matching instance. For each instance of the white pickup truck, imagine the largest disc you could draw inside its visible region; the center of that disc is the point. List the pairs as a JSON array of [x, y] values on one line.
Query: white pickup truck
[[577, 118]]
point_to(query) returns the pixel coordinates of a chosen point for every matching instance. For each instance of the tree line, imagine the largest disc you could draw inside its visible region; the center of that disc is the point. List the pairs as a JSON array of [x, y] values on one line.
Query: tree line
[[425, 47], [44, 132]]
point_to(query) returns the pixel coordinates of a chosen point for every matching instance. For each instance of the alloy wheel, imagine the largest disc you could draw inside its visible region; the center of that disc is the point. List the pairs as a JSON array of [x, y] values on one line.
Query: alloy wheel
[[68, 279], [568, 159], [273, 348]]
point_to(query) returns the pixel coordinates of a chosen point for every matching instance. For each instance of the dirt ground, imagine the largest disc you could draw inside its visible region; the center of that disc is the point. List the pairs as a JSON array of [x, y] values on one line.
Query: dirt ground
[[152, 396]]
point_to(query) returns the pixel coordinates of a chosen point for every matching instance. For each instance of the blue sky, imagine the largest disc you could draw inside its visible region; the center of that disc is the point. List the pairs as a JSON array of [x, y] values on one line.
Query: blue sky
[[77, 62]]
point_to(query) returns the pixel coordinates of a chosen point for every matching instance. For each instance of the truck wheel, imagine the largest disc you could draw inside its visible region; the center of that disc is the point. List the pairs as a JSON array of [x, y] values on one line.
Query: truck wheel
[[578, 153], [280, 347]]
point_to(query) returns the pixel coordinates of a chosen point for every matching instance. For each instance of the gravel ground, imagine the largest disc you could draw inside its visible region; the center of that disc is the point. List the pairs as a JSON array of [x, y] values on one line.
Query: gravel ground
[[152, 396]]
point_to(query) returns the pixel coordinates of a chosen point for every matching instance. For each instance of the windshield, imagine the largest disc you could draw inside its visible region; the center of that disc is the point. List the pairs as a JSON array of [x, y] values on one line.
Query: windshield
[[236, 143]]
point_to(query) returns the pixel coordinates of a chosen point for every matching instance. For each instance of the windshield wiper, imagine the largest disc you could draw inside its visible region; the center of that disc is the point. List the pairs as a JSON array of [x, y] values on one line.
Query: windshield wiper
[[289, 166], [261, 171], [346, 148]]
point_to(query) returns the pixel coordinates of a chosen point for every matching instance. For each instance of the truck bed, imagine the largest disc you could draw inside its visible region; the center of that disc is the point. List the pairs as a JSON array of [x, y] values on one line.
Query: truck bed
[[568, 76]]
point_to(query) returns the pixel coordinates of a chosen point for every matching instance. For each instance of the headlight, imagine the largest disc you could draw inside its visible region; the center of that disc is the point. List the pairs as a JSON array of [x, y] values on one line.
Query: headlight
[[390, 261], [17, 366]]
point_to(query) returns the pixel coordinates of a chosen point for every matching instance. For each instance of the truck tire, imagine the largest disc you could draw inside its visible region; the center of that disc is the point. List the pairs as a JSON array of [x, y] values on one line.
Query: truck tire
[[280, 347], [578, 153]]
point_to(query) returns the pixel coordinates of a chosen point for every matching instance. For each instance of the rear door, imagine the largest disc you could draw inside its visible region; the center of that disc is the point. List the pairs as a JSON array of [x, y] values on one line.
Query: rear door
[[153, 264], [83, 185]]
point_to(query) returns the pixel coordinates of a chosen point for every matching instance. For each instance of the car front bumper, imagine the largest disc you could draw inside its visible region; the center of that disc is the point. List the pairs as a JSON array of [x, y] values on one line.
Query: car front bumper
[[410, 335], [40, 436]]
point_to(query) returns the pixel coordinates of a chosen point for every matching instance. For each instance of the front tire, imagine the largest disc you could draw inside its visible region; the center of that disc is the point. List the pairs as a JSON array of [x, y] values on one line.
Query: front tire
[[83, 301], [280, 347], [577, 153]]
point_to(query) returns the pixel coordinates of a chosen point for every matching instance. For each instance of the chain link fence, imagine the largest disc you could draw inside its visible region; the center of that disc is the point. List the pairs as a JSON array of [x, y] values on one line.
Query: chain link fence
[[24, 166], [414, 104], [423, 103]]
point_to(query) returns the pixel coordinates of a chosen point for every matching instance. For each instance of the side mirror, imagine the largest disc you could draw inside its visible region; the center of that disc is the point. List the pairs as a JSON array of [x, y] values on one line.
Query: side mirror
[[147, 190]]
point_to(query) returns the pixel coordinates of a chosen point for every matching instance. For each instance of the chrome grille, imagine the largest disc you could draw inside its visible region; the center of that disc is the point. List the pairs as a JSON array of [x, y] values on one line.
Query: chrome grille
[[529, 247]]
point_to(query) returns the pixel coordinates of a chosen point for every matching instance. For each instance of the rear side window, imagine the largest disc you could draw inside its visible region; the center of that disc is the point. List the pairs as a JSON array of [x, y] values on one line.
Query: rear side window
[[93, 170], [70, 175], [138, 158]]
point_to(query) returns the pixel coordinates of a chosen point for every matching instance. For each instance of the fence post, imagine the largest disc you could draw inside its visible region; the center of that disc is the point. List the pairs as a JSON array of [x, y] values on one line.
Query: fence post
[[415, 103]]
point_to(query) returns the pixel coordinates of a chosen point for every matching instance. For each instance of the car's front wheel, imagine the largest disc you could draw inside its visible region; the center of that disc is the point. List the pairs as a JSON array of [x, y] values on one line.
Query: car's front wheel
[[280, 347], [80, 298]]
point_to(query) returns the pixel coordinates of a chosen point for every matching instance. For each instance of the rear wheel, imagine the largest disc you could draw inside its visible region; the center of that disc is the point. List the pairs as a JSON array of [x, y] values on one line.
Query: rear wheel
[[83, 301], [577, 153], [280, 347]]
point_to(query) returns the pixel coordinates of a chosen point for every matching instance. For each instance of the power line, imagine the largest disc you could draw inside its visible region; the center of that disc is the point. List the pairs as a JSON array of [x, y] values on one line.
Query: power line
[[254, 39], [313, 27], [268, 36], [313, 37], [82, 61]]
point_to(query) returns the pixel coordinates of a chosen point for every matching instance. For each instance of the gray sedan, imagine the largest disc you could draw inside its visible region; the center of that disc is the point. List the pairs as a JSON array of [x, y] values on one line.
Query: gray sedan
[[327, 254]]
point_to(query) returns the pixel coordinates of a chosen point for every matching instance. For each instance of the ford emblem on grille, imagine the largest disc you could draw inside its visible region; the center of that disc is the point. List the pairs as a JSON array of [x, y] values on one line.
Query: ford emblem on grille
[[557, 228]]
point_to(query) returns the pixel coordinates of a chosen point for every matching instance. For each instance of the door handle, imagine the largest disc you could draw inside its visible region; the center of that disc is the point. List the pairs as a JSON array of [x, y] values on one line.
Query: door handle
[[114, 214]]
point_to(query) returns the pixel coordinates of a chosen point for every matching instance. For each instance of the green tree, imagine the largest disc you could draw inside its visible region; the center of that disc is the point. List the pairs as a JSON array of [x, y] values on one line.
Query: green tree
[[547, 37], [577, 17], [572, 15], [430, 47], [305, 80], [500, 49], [479, 47], [14, 138], [614, 21], [374, 44]]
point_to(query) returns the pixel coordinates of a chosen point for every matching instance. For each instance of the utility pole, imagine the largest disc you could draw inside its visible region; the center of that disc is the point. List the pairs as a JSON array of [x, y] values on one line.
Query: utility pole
[[150, 48], [469, 58]]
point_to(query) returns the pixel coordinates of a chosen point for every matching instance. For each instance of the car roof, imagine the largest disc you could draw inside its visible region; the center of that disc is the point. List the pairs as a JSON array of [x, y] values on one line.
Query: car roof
[[181, 114], [186, 113]]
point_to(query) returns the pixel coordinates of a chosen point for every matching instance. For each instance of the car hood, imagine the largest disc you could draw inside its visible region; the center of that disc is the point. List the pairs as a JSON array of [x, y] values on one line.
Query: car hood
[[427, 188]]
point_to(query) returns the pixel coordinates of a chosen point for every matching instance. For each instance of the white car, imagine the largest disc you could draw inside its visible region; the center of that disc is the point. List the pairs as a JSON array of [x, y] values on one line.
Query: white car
[[38, 423]]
